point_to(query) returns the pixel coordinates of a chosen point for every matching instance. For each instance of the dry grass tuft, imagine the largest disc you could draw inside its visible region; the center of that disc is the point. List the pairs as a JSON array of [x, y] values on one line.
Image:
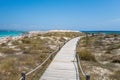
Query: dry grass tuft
[[115, 76], [86, 54], [7, 50]]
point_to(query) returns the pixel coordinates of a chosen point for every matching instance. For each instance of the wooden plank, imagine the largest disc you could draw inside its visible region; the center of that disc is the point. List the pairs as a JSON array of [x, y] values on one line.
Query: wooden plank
[[64, 65]]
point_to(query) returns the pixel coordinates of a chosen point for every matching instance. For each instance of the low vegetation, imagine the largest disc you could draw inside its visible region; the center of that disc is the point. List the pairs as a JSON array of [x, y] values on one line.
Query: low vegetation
[[116, 75], [7, 50], [100, 56], [85, 54], [61, 34], [28, 52]]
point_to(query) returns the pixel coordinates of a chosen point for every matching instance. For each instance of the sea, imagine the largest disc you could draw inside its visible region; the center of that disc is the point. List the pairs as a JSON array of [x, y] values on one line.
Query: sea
[[105, 32], [6, 33]]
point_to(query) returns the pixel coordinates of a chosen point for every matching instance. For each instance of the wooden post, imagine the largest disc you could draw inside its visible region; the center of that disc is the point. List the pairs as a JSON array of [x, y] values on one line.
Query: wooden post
[[51, 57], [59, 46], [92, 34], [86, 38], [23, 75], [87, 77]]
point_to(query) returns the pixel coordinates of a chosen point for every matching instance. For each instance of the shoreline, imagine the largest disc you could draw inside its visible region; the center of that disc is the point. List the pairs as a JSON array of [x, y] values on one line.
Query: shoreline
[[5, 39], [8, 38]]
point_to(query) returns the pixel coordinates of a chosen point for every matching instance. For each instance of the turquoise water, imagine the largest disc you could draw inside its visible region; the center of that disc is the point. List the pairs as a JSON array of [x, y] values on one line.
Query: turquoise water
[[106, 32], [4, 33]]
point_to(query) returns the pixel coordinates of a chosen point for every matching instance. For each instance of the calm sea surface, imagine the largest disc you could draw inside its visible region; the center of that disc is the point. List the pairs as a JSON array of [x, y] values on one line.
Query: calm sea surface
[[106, 32], [4, 33]]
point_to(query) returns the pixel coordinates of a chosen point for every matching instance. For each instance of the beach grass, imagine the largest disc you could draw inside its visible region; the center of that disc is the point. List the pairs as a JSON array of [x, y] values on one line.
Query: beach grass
[[7, 50], [85, 54], [29, 52], [99, 56]]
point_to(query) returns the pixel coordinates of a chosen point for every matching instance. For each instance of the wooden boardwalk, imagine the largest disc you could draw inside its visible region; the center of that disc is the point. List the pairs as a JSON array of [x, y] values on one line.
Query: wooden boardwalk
[[64, 65]]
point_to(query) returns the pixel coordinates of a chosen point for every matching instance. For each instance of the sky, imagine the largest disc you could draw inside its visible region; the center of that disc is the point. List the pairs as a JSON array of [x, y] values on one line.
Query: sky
[[83, 15]]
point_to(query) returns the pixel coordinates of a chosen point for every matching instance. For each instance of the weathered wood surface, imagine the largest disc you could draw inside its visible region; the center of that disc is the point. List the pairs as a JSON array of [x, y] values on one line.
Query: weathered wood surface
[[64, 65]]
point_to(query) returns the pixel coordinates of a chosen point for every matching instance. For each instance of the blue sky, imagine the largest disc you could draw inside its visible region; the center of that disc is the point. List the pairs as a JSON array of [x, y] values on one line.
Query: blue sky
[[60, 14]]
